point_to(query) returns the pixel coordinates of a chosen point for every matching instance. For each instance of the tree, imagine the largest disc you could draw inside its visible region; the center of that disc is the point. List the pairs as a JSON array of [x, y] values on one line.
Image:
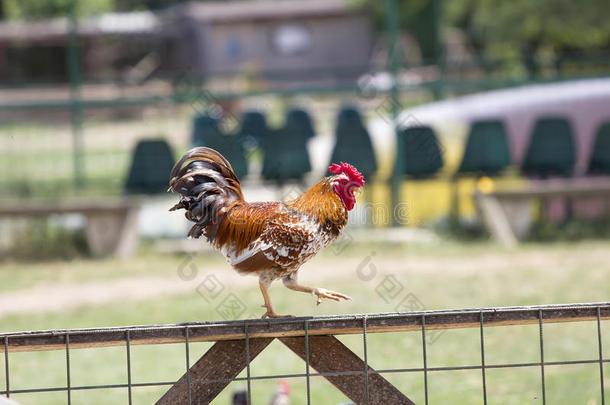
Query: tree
[[416, 17], [515, 35], [35, 9], [129, 5], [528, 30]]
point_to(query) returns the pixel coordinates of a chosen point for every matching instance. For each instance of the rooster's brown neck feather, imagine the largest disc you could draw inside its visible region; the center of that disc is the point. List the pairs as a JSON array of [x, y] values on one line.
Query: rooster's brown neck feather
[[321, 203]]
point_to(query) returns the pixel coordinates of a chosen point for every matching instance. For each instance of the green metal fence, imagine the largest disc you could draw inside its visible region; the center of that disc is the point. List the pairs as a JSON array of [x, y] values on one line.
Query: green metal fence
[[58, 140]]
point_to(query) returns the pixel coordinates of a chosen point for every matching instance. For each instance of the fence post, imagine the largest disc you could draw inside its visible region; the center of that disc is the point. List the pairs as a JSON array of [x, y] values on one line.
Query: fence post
[[439, 49], [392, 28], [76, 110]]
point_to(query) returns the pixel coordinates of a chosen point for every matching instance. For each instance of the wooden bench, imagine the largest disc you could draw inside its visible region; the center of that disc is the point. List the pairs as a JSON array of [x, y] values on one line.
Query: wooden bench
[[506, 213], [110, 226]]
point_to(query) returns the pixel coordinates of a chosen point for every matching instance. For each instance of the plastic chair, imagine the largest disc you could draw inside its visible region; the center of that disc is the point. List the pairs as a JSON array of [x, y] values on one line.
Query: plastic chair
[[204, 126], [254, 124], [151, 163], [299, 123], [551, 149], [232, 148], [353, 142], [486, 152], [421, 155], [599, 163], [286, 157], [207, 132]]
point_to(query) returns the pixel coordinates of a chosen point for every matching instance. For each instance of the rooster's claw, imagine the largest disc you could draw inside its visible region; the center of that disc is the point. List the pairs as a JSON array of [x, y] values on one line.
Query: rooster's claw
[[328, 294], [269, 314]]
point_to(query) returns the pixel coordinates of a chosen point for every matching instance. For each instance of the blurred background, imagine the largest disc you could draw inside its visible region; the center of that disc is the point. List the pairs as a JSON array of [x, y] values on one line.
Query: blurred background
[[482, 129]]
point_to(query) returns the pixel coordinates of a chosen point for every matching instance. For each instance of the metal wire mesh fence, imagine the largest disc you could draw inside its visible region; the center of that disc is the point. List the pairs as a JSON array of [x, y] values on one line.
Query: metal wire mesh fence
[[244, 340], [37, 154]]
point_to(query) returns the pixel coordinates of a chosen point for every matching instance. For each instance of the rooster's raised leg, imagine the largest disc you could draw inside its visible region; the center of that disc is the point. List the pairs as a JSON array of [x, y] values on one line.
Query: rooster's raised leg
[[264, 284], [292, 283]]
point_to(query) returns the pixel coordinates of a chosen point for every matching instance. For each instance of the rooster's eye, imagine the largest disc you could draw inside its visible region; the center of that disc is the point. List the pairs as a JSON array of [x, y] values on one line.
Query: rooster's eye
[[344, 182]]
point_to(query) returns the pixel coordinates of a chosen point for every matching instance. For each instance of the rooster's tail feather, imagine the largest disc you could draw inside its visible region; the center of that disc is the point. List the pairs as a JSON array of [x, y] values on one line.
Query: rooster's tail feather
[[207, 186]]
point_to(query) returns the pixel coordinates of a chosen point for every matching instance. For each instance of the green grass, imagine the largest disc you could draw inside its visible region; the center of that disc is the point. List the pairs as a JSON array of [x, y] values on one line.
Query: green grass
[[443, 275], [37, 158]]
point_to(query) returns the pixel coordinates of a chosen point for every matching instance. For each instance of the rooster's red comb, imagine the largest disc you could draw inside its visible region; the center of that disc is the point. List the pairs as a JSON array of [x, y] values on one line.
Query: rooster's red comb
[[350, 171]]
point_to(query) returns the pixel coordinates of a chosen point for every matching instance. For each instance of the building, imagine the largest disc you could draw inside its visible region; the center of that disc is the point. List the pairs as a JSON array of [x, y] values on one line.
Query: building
[[273, 41], [276, 40], [35, 51]]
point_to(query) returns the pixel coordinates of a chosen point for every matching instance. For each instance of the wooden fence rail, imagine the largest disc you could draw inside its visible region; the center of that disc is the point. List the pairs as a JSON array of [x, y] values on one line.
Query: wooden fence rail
[[313, 339], [290, 327]]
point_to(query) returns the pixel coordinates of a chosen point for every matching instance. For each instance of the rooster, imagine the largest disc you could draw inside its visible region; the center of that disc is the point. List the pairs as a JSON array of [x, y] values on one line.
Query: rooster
[[271, 240], [281, 396]]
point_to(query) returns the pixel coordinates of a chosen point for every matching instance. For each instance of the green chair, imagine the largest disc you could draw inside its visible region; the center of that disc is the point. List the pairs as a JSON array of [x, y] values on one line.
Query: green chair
[[207, 132], [151, 164], [232, 148], [254, 124], [551, 149], [353, 143], [486, 151], [600, 155], [299, 123], [204, 126], [286, 157], [421, 154]]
